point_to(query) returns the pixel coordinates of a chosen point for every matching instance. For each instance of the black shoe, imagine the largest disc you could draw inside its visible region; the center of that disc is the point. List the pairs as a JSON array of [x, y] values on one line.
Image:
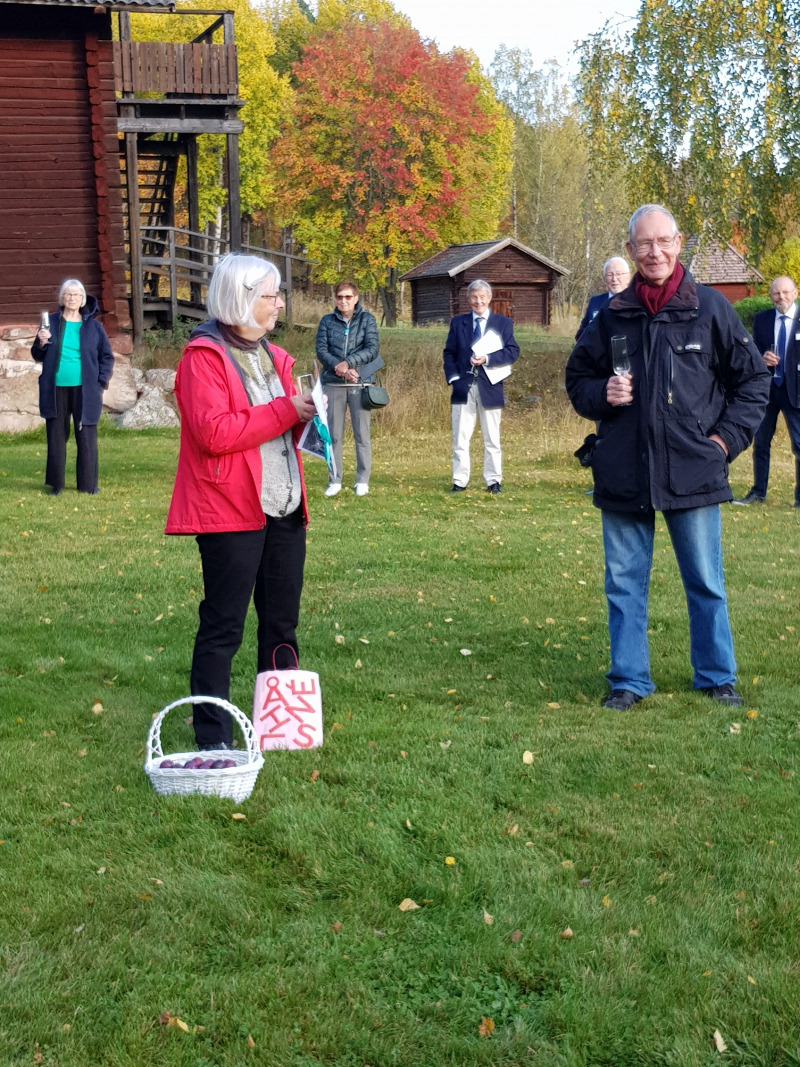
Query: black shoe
[[223, 746], [621, 700], [494, 488], [55, 492], [753, 497], [458, 488], [725, 694]]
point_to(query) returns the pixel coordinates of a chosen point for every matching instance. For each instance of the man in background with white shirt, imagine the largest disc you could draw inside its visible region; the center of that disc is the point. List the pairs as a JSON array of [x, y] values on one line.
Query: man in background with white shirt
[[777, 337], [476, 393]]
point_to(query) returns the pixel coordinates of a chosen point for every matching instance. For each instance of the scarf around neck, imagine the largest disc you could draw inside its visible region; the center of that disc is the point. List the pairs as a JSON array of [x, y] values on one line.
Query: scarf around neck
[[654, 297]]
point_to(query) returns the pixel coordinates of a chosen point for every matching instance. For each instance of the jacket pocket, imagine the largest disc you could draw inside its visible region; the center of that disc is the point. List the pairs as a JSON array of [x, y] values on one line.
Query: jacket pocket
[[695, 464], [216, 469], [614, 469]]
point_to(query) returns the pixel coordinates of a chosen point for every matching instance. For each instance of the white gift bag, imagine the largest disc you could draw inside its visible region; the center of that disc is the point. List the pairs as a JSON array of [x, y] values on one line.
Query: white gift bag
[[287, 708]]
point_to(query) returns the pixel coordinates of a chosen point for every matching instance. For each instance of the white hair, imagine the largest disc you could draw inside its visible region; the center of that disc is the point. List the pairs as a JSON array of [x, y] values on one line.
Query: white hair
[[479, 283], [71, 283], [235, 285], [649, 209], [616, 259]]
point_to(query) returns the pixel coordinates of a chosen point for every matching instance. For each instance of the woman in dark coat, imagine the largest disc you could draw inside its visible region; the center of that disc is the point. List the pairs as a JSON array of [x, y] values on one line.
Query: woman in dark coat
[[77, 364]]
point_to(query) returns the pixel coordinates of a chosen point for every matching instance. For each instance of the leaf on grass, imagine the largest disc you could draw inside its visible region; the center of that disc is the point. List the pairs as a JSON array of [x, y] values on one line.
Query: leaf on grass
[[553, 704], [145, 897], [363, 640], [97, 708], [403, 754], [633, 932], [735, 728], [189, 720], [486, 1027], [607, 902], [450, 861], [337, 726], [314, 775], [336, 927], [445, 744], [101, 870], [752, 714], [487, 918], [516, 937], [357, 665], [81, 751], [250, 1042], [79, 928], [339, 639], [450, 692], [566, 934], [527, 757], [567, 864], [719, 1044], [158, 618], [650, 900], [465, 651], [752, 981], [238, 816], [156, 881], [407, 904]]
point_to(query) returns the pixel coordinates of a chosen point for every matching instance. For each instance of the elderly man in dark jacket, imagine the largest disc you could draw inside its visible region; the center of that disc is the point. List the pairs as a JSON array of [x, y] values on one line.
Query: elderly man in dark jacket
[[348, 351], [690, 403]]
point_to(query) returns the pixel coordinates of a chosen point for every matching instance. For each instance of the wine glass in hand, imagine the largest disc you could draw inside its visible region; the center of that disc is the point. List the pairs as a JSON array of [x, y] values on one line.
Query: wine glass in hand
[[620, 360]]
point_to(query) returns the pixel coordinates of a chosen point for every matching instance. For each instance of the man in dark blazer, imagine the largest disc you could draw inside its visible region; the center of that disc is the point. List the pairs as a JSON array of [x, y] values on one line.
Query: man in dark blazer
[[617, 275], [476, 393], [777, 336]]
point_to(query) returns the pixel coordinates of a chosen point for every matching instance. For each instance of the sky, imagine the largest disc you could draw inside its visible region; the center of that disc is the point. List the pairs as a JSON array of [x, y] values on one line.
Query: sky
[[548, 29]]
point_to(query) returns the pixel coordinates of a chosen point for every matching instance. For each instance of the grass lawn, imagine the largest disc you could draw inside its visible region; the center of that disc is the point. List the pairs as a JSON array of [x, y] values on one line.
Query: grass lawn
[[666, 840]]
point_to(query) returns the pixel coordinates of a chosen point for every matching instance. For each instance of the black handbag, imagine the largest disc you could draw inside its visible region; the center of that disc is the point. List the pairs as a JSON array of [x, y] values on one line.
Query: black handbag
[[373, 396]]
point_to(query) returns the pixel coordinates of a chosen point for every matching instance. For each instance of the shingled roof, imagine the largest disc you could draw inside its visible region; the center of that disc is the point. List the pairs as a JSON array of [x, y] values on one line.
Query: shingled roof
[[716, 262], [458, 258]]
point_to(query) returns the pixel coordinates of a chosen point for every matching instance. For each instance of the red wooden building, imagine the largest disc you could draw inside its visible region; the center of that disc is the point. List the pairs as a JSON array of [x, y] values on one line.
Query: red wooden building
[[716, 263], [73, 105], [522, 282]]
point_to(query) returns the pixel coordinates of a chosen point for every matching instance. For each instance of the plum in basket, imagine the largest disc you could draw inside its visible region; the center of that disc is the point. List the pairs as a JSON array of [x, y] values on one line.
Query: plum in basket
[[230, 763], [166, 763]]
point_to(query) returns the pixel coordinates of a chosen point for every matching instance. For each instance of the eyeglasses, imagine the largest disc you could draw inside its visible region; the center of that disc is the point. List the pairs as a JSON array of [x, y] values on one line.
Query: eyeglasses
[[346, 296], [273, 296], [618, 274], [659, 242]]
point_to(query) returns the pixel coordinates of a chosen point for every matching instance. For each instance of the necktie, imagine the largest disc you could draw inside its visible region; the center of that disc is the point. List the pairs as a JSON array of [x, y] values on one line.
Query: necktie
[[781, 353], [476, 333]]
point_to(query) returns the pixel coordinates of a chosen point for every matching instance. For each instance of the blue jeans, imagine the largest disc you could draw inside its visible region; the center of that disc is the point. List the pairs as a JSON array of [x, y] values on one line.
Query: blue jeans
[[762, 443], [696, 535]]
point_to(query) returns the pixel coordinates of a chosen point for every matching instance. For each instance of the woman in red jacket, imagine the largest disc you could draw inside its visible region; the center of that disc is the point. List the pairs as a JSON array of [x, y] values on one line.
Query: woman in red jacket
[[239, 486]]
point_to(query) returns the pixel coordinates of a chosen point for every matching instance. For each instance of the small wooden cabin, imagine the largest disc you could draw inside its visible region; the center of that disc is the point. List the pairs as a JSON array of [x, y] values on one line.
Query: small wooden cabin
[[718, 264], [522, 282]]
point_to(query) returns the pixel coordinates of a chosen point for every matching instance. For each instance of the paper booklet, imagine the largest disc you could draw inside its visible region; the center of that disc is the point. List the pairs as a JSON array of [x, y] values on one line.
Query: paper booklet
[[316, 437], [488, 344]]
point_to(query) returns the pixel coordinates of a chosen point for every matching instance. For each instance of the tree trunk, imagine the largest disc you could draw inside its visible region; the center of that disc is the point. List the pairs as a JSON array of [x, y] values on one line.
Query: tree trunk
[[388, 295]]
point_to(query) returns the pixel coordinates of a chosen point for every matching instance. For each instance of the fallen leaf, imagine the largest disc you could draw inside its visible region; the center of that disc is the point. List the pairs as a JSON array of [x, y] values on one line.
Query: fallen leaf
[[250, 1042], [650, 900], [450, 692], [403, 754], [752, 981], [567, 864], [339, 639], [97, 708], [158, 618], [465, 651], [516, 937], [706, 974], [314, 775], [337, 726], [735, 728], [719, 1043], [487, 918], [566, 934], [407, 904], [156, 881], [450, 861], [486, 1027], [363, 640], [752, 714], [633, 932], [145, 897], [607, 901], [357, 665], [527, 757], [238, 816], [379, 933], [336, 927], [79, 928], [101, 870], [553, 704], [445, 744], [81, 751]]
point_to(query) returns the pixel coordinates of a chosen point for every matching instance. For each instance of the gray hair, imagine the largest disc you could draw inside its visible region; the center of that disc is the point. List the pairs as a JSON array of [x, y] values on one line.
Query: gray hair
[[71, 283], [479, 283], [615, 259], [649, 209], [235, 286]]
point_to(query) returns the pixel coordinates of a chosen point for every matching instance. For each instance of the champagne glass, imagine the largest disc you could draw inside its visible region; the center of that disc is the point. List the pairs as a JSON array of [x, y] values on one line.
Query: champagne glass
[[620, 360], [305, 384]]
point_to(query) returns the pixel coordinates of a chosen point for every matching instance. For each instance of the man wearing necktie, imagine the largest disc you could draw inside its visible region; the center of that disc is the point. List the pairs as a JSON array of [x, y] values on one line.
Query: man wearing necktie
[[777, 336], [474, 395]]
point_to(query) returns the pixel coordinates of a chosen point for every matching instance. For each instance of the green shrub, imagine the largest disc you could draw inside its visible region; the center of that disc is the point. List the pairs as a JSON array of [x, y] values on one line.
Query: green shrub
[[748, 308]]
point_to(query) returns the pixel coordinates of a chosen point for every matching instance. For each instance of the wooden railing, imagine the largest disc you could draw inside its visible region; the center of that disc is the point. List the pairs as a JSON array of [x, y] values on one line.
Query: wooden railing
[[182, 69], [177, 265]]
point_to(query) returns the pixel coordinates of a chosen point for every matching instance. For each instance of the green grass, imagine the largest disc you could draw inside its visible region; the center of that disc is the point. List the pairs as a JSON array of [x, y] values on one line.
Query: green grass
[[668, 844]]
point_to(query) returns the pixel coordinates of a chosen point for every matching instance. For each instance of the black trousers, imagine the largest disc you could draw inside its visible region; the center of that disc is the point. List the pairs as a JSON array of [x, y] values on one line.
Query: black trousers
[[69, 405], [267, 566]]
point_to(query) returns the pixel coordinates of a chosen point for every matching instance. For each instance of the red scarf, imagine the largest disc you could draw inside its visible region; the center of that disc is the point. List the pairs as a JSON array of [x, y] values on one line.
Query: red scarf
[[654, 297]]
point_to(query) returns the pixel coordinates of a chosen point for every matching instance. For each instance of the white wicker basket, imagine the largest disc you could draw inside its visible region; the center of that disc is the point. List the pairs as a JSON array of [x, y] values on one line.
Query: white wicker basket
[[234, 782]]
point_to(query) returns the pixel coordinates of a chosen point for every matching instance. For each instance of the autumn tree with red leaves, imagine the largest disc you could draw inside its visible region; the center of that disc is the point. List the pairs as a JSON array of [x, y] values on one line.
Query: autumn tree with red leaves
[[392, 151]]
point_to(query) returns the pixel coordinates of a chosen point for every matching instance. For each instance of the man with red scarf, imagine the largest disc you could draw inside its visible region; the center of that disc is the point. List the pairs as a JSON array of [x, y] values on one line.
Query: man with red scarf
[[691, 402]]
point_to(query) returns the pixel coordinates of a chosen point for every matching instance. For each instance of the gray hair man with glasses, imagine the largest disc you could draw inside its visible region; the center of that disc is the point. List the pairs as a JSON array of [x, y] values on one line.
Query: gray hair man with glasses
[[617, 276], [678, 389]]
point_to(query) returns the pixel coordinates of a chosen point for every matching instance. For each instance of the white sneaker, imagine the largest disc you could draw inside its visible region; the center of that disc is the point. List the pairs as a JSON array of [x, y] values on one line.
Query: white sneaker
[[361, 488], [333, 489]]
